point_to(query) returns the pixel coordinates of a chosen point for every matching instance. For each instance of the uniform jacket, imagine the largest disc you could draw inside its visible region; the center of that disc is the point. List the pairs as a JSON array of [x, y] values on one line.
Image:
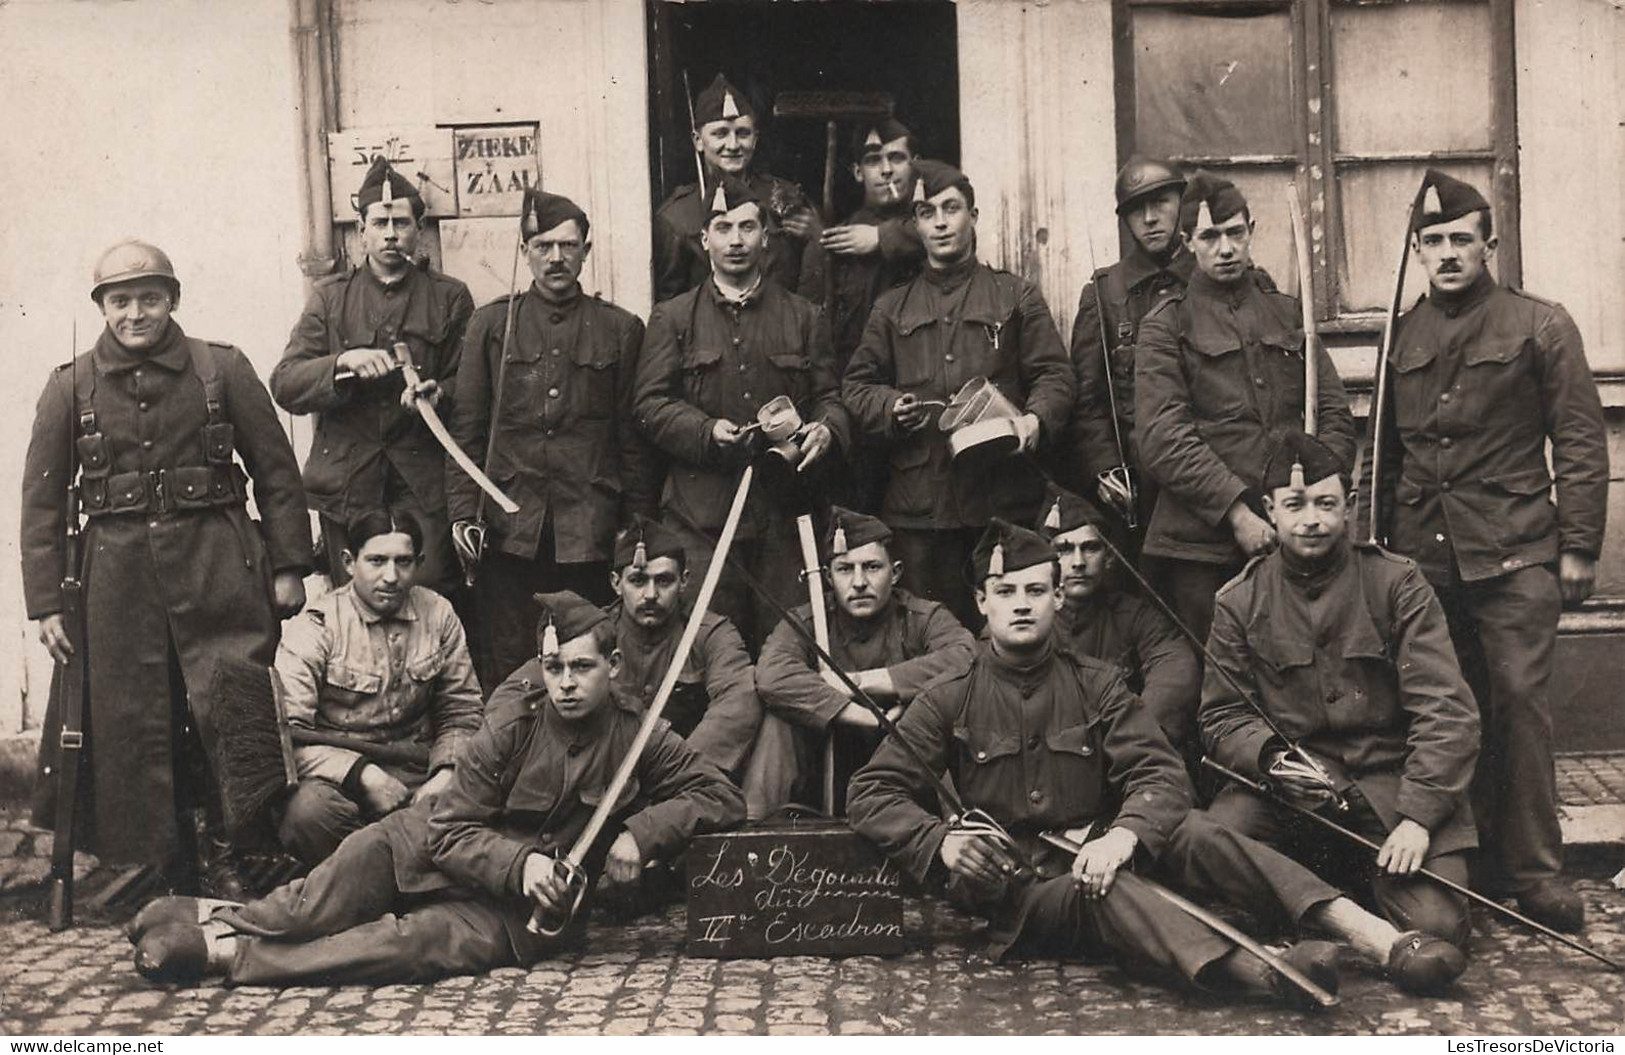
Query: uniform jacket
[[1355, 664], [528, 782], [923, 340], [861, 279], [714, 705], [401, 679], [1123, 628], [565, 446], [680, 261], [915, 640], [171, 558], [1479, 386], [1126, 290], [1216, 370], [704, 359], [1059, 746], [361, 428]]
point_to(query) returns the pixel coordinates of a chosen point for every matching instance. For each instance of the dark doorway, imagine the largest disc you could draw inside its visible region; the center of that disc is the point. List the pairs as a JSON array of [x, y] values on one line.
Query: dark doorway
[[908, 48]]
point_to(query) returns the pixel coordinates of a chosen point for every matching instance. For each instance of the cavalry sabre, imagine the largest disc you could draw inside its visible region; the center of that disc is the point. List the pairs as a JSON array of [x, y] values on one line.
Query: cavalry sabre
[[812, 570], [552, 924], [1347, 833], [1213, 922], [431, 417]]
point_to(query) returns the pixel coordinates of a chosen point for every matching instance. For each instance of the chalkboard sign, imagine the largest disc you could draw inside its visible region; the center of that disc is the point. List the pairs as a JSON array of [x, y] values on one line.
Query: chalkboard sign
[[810, 888]]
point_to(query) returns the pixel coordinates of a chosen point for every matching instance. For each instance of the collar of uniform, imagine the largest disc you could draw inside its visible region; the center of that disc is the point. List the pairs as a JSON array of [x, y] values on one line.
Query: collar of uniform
[[952, 276], [583, 732], [629, 629], [1021, 669], [1232, 293], [169, 353], [1139, 268], [567, 305], [924, 300], [749, 299], [388, 287], [1314, 578], [408, 611], [1453, 304], [863, 629]]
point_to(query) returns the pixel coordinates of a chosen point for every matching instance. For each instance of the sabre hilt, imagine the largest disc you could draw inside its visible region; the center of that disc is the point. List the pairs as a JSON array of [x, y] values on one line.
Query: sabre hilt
[[551, 922]]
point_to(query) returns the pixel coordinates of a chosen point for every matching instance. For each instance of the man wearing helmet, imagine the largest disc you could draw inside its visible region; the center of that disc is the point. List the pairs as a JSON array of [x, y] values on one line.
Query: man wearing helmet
[[153, 423], [1113, 302]]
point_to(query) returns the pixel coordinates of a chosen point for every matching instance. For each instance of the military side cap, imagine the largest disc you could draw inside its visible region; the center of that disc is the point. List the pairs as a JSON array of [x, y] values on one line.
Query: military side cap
[[730, 193], [565, 616], [383, 184], [1064, 511], [1005, 547], [873, 135], [721, 101], [542, 211], [849, 531], [1208, 199], [1142, 176], [129, 260], [931, 178], [1444, 198], [1297, 459], [646, 540]]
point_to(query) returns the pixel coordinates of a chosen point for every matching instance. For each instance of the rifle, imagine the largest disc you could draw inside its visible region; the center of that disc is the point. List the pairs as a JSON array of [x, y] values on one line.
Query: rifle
[[550, 923], [1379, 396], [1263, 791], [70, 682], [1118, 483]]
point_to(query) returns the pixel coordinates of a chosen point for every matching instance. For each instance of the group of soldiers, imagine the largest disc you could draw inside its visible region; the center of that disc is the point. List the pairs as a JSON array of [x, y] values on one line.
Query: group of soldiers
[[1150, 562]]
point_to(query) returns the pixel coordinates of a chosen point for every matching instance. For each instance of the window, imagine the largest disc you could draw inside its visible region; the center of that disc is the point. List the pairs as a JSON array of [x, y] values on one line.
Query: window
[[1349, 99]]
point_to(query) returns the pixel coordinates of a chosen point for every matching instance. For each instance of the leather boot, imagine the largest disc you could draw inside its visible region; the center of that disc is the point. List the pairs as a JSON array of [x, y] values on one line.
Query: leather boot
[[1554, 903], [1422, 963]]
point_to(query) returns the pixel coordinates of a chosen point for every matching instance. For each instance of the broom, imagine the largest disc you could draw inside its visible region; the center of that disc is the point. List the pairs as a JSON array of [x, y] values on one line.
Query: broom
[[255, 741]]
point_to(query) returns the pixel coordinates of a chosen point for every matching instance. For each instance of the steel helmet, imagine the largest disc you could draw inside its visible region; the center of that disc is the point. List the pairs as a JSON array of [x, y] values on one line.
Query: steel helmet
[[129, 260], [1142, 176]]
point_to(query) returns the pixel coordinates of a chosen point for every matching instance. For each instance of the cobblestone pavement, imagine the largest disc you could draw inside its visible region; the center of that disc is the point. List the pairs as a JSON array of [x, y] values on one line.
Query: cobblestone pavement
[[634, 979]]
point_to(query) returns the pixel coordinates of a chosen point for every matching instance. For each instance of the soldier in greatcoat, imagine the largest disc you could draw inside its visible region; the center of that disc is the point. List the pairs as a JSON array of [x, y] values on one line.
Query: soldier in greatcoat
[[176, 573]]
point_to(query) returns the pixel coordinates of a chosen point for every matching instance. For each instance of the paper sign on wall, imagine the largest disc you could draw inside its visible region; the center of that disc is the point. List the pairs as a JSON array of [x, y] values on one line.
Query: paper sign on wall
[[422, 155], [494, 167]]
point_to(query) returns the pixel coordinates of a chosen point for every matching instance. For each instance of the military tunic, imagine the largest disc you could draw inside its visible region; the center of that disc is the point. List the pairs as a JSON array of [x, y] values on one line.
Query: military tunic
[[1123, 628], [437, 889], [714, 705], [404, 679], [914, 640], [1482, 381], [927, 339], [369, 450], [1126, 290], [1057, 744], [706, 358], [175, 571], [680, 261], [1354, 662], [566, 451]]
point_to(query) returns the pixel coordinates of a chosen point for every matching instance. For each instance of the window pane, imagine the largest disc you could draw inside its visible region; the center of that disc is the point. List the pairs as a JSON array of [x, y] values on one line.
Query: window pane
[[1375, 200], [1411, 77], [1211, 84]]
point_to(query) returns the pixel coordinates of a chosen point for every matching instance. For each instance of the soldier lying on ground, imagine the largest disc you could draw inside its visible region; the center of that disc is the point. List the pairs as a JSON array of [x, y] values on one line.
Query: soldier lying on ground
[[448, 886]]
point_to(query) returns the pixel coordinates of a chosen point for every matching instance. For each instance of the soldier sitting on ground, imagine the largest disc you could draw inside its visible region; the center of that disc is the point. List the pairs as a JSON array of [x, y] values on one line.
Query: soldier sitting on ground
[[380, 659], [448, 886]]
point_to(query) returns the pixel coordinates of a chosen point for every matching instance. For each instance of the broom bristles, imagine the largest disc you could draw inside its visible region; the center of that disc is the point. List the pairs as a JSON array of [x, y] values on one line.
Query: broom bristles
[[251, 770]]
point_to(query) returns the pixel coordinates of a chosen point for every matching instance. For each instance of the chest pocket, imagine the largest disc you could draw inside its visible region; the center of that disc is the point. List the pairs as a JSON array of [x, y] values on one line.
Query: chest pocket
[[916, 361], [702, 368], [795, 374], [354, 695], [427, 667], [595, 377], [1499, 351], [1217, 374], [989, 770], [1075, 755]]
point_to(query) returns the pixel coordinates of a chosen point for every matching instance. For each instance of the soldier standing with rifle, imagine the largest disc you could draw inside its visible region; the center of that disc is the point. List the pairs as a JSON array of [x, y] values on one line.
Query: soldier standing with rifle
[[175, 572]]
